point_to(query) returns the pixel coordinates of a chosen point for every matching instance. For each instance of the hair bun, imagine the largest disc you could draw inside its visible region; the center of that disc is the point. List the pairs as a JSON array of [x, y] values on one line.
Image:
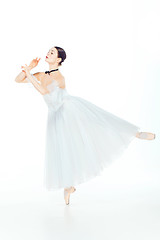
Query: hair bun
[[61, 54]]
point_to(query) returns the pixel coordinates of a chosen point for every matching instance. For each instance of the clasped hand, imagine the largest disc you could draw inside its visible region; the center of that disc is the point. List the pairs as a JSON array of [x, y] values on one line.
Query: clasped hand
[[32, 64], [26, 69]]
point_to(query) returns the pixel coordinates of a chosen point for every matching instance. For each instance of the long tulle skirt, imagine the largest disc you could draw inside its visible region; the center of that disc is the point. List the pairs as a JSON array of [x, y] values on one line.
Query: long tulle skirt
[[81, 140]]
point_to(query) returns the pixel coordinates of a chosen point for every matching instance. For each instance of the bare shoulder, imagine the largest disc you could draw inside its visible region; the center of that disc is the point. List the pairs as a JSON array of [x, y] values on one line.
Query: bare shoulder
[[58, 77], [61, 82], [39, 75]]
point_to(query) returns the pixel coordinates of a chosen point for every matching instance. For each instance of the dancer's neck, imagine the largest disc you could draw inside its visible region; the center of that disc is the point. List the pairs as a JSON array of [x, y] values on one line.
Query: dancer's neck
[[53, 66]]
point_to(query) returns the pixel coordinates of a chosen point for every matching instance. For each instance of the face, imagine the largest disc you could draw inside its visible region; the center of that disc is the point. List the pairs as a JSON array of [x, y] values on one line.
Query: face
[[52, 56]]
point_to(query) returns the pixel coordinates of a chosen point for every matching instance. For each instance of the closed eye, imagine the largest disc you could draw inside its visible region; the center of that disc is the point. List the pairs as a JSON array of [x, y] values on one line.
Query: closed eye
[[51, 52]]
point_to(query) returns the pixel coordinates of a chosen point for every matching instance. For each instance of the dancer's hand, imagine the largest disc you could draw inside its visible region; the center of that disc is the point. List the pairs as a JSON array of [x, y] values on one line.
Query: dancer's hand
[[34, 62], [26, 69]]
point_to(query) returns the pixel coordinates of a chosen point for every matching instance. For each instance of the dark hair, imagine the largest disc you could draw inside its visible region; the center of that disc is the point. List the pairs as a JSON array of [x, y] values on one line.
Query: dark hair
[[61, 54]]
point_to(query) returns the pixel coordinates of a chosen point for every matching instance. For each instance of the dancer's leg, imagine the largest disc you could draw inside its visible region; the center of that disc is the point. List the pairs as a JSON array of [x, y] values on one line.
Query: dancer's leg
[[67, 192], [146, 135]]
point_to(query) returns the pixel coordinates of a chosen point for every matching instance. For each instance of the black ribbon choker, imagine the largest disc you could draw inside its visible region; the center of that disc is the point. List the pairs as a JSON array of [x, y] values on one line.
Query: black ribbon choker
[[51, 71]]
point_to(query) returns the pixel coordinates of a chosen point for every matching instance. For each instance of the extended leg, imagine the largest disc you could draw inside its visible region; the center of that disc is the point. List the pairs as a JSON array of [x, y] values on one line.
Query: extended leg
[[146, 135]]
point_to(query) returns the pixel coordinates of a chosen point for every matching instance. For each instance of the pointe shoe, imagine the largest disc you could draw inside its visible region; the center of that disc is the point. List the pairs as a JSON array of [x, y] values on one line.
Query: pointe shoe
[[146, 135], [67, 193]]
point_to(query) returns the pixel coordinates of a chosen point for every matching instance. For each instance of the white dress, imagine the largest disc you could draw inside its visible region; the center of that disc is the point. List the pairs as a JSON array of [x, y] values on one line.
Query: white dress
[[81, 139]]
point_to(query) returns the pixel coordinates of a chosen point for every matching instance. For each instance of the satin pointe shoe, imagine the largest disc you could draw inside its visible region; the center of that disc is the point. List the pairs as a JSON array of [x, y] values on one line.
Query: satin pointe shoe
[[146, 135], [67, 193]]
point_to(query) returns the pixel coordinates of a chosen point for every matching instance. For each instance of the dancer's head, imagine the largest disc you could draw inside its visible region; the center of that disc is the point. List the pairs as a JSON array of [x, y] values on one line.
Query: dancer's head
[[56, 55]]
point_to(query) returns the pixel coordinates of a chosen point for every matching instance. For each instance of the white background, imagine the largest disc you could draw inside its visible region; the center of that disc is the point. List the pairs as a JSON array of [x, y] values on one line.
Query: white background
[[113, 60]]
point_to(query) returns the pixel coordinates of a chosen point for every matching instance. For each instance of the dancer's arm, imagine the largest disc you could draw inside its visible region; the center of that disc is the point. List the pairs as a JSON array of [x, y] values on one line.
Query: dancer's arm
[[22, 75], [32, 79]]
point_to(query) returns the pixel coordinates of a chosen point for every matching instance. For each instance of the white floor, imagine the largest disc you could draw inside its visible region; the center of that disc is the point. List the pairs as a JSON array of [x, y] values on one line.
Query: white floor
[[114, 212]]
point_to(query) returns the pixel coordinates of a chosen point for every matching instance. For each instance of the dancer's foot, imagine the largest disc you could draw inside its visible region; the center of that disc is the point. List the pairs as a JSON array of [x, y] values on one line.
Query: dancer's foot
[[146, 135], [67, 192]]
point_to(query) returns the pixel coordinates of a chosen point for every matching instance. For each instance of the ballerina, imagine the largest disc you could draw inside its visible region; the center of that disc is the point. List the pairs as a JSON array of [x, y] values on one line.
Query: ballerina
[[81, 138]]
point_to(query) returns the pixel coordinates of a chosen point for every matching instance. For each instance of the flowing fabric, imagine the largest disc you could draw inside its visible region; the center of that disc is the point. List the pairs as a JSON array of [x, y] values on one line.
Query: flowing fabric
[[81, 139]]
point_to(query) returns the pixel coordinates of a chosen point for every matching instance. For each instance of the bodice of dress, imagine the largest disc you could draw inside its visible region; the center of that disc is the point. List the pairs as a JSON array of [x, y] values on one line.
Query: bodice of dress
[[56, 96]]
